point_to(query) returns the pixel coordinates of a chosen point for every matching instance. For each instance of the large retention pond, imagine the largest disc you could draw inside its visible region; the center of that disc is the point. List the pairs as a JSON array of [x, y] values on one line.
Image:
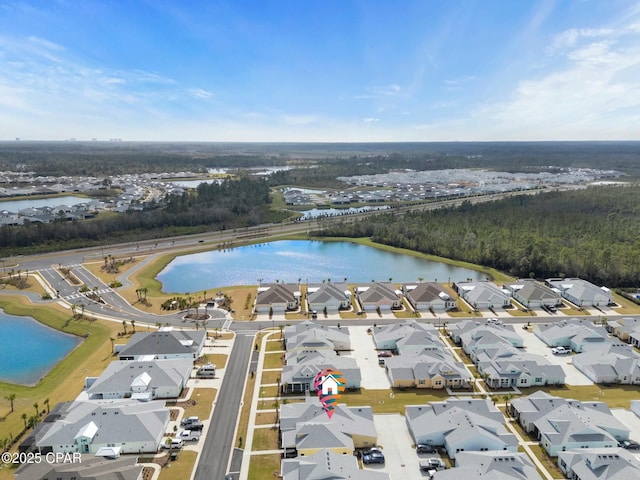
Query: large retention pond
[[29, 349], [304, 261]]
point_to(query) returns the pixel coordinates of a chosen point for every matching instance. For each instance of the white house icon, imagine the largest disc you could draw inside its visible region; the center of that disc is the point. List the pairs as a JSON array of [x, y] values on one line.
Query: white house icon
[[330, 385]]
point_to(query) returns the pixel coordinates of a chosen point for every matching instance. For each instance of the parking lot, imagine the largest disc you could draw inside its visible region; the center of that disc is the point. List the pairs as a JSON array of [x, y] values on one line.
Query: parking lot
[[537, 347], [373, 376]]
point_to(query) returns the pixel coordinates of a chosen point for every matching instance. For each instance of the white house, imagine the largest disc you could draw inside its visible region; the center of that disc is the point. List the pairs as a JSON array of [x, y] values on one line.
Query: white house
[[86, 427]]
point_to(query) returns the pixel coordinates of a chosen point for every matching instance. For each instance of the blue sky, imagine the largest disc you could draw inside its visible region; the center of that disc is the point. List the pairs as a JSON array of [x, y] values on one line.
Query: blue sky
[[370, 70]]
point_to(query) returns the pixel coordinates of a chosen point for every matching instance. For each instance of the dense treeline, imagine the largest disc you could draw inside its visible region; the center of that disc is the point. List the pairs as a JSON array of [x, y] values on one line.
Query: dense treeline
[[592, 233], [328, 160], [233, 204]]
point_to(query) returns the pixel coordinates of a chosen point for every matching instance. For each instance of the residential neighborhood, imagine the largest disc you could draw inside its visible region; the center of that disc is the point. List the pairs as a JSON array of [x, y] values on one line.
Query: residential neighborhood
[[486, 380]]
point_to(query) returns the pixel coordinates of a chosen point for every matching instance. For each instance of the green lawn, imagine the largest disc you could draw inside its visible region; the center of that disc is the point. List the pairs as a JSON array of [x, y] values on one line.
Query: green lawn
[[181, 468], [263, 467], [273, 360], [392, 401], [265, 439]]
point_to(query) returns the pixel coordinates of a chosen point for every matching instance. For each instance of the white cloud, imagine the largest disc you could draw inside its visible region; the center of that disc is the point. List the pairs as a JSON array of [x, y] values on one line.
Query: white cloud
[[200, 93], [370, 120]]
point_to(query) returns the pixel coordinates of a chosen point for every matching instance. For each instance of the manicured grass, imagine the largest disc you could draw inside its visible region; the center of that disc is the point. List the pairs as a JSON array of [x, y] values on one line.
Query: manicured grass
[[267, 418], [275, 346], [181, 468], [243, 423], [204, 398], [263, 467], [270, 391], [571, 311], [218, 359], [392, 401], [95, 267], [270, 377], [627, 307], [273, 360], [265, 439], [618, 396], [66, 380]]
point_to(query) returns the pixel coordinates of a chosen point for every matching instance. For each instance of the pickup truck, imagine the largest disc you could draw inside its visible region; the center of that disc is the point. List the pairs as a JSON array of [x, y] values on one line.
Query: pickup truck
[[189, 435], [561, 351]]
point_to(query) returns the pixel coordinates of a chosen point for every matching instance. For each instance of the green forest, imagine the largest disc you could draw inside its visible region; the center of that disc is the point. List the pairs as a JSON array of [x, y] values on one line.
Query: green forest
[[232, 204], [593, 233]]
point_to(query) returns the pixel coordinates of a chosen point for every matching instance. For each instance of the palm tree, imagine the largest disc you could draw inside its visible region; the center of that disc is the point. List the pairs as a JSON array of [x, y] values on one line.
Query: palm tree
[[46, 402], [24, 419], [133, 326], [124, 326], [11, 397], [37, 407], [112, 340]]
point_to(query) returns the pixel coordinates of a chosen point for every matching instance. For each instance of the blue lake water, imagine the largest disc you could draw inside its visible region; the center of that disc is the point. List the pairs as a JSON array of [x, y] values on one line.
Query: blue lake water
[[309, 261], [29, 349]]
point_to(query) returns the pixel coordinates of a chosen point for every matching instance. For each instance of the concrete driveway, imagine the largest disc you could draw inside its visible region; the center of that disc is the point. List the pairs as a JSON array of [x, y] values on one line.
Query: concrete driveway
[[631, 420], [364, 352], [401, 460], [537, 347]]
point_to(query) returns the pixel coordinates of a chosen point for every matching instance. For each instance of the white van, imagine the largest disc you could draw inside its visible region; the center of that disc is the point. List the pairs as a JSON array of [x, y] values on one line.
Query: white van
[[206, 371]]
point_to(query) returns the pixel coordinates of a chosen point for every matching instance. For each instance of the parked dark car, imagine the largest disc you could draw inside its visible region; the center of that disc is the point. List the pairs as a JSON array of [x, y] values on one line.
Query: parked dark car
[[195, 426], [630, 445], [373, 457], [425, 448]]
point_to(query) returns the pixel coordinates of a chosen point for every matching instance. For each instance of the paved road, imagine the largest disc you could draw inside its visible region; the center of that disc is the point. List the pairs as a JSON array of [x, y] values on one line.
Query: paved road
[[217, 449]]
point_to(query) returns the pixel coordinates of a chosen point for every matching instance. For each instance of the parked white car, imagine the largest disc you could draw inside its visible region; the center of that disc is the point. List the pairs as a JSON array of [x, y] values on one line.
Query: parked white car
[[561, 351], [189, 436]]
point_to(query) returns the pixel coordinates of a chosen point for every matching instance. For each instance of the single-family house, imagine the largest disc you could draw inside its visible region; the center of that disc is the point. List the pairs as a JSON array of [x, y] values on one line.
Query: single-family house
[[436, 369], [305, 428], [608, 363], [482, 295], [562, 424], [623, 328], [164, 343], [460, 425], [311, 336], [464, 330], [532, 294], [141, 380], [88, 426], [277, 298], [573, 333], [378, 296], [599, 464], [326, 464], [580, 292], [493, 465], [425, 296], [386, 337], [302, 367], [329, 297], [506, 367]]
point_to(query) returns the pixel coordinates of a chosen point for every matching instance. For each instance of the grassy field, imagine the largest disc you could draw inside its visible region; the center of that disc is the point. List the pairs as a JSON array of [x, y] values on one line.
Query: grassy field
[[273, 360]]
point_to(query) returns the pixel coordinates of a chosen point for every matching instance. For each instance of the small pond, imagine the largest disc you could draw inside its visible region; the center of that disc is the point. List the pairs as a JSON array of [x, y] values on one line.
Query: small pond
[[29, 349]]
